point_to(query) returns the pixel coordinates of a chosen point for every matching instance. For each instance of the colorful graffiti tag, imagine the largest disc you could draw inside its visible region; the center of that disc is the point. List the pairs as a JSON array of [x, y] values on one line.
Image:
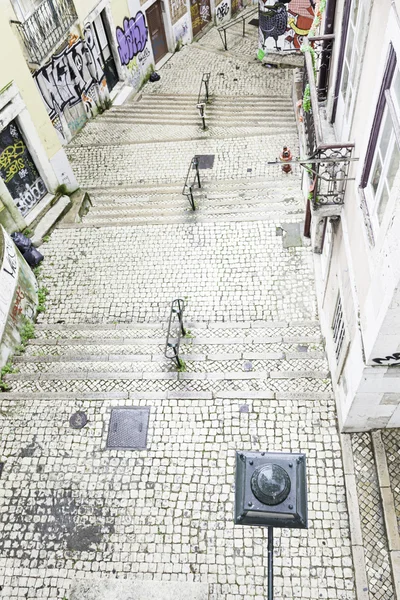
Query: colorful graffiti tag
[[132, 38], [18, 170], [73, 84], [283, 25]]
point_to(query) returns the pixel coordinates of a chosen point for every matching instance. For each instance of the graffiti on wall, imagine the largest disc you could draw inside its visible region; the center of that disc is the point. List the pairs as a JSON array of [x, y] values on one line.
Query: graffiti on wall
[[132, 38], [222, 12], [73, 84], [178, 9], [283, 26], [8, 278], [388, 361], [181, 31], [18, 170]]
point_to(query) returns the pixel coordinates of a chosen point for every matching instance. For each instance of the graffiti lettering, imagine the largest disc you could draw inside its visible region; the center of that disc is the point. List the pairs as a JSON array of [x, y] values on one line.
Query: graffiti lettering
[[178, 9], [17, 308], [70, 78], [388, 361], [132, 38], [222, 11], [11, 159], [31, 195], [181, 31], [10, 264], [205, 13], [143, 56]]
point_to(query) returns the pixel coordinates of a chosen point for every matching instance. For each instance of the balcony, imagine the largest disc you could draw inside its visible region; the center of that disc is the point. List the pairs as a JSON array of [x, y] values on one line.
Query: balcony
[[46, 27], [328, 161]]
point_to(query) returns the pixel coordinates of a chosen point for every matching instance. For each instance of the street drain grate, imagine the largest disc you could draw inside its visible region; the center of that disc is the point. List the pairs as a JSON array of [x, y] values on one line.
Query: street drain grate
[[205, 161], [128, 428]]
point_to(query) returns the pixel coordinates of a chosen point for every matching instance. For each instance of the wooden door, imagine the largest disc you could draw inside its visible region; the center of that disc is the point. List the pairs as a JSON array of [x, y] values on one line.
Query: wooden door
[[200, 12], [157, 33]]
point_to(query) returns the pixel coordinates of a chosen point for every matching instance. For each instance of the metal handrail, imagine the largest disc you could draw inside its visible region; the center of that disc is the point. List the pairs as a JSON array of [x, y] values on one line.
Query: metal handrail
[[173, 342], [202, 100], [223, 28], [188, 187]]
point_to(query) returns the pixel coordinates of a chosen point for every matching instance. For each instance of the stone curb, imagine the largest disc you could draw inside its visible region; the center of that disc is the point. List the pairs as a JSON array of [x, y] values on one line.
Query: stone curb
[[357, 547]]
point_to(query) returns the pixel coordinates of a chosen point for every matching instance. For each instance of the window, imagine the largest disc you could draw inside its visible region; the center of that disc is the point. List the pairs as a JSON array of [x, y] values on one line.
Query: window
[[381, 172], [326, 249], [338, 329], [23, 8], [352, 53]]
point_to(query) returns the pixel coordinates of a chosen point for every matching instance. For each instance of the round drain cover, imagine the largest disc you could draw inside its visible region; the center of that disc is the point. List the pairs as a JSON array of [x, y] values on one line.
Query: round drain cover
[[78, 420]]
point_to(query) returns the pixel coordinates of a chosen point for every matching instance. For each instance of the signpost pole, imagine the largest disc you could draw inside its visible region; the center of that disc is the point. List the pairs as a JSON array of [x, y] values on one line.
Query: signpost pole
[[270, 563]]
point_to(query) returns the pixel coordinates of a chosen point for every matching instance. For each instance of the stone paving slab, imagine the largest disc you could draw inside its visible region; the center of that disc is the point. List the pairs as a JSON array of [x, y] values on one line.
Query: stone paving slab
[[112, 589]]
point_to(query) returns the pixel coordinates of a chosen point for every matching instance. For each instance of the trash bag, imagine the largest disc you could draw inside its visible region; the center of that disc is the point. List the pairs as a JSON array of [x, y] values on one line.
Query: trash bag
[[33, 257], [22, 242], [154, 77]]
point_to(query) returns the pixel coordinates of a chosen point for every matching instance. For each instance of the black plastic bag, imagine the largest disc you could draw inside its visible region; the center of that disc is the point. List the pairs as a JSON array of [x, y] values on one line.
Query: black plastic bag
[[154, 77], [22, 242], [33, 257]]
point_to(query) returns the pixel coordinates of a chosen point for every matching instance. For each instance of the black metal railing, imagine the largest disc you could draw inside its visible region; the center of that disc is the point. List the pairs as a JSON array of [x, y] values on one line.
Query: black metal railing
[[322, 47], [45, 28], [241, 19], [176, 331], [203, 97], [327, 164], [191, 180]]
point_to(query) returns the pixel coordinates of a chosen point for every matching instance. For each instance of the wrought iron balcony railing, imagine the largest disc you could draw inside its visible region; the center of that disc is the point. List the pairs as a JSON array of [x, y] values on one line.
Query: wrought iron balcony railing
[[45, 28], [329, 163]]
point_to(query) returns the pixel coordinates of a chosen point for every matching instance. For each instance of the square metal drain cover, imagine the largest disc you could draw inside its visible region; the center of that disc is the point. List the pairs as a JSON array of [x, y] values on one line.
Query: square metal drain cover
[[206, 161], [128, 428]]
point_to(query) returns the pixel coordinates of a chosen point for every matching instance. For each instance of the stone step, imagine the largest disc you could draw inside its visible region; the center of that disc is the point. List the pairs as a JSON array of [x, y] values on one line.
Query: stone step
[[189, 216], [232, 99], [217, 106], [304, 382], [156, 213], [280, 127], [206, 199], [226, 114], [289, 182], [87, 349], [218, 332], [212, 369]]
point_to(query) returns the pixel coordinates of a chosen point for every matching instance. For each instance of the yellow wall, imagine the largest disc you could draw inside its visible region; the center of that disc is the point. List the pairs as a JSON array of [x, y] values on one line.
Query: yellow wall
[[13, 67], [119, 9]]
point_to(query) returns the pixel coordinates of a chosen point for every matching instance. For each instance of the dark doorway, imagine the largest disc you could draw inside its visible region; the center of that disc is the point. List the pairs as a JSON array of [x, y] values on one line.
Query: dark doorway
[[200, 12], [104, 50], [18, 170], [157, 32]]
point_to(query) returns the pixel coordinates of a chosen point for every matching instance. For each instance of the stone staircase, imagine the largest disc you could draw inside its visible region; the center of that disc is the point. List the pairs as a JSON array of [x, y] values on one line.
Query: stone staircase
[[236, 200], [222, 111], [261, 358]]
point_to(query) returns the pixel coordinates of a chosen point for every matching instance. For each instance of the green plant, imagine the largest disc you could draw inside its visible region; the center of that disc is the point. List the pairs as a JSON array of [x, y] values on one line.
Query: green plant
[[307, 99], [182, 367], [27, 331], [107, 103], [61, 190], [42, 295], [36, 271], [188, 334], [8, 368], [307, 48], [28, 232], [46, 238]]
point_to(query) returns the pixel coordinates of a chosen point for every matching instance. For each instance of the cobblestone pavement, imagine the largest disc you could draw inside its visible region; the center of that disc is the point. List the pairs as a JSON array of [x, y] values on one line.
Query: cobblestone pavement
[[256, 377]]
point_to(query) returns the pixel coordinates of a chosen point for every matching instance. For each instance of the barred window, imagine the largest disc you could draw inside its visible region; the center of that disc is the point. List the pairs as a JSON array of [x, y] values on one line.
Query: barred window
[[338, 329]]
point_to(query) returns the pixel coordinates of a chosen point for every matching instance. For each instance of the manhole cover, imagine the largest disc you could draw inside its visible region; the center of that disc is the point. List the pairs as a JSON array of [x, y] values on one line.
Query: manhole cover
[[248, 366], [78, 420], [244, 408], [128, 428], [206, 161], [302, 348]]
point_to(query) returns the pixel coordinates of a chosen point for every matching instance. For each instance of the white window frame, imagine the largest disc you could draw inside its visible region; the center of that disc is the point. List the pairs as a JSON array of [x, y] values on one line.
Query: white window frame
[[340, 337], [374, 199]]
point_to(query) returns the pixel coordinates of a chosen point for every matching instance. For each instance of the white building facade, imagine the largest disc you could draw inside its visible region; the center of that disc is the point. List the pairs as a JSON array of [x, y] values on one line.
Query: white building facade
[[353, 122]]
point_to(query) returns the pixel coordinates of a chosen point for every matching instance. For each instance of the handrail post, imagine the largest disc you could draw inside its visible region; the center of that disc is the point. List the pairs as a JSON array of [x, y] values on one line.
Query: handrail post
[[244, 27], [225, 43], [206, 86], [191, 199], [197, 172], [177, 309]]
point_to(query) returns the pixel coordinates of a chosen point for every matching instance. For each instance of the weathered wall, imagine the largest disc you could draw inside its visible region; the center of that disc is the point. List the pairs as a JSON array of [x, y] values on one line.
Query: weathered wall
[[14, 68], [18, 295]]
